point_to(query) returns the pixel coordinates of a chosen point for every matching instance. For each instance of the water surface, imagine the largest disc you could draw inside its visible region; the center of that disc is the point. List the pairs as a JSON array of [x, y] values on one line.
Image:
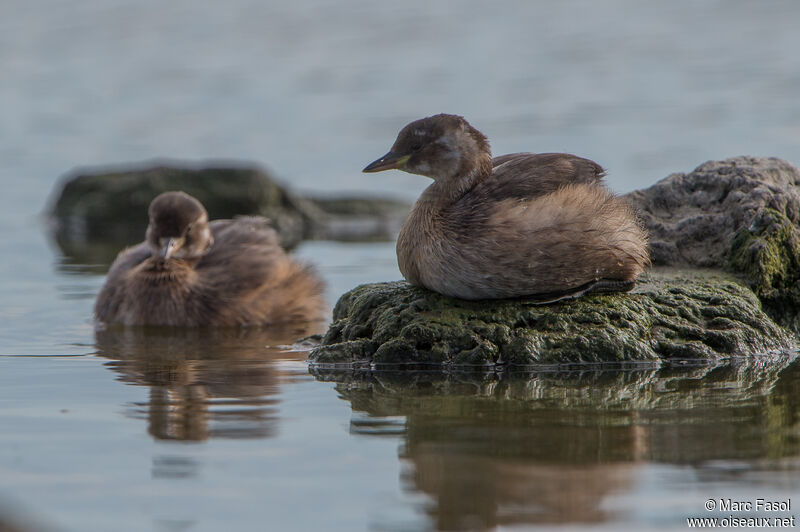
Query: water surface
[[115, 430]]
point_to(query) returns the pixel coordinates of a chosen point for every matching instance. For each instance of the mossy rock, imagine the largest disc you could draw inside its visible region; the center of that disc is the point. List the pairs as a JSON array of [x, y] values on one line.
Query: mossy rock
[[767, 253], [671, 315]]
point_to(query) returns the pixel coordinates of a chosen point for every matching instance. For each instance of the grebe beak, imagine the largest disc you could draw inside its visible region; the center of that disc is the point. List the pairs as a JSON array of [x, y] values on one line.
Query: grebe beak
[[389, 161], [168, 246]]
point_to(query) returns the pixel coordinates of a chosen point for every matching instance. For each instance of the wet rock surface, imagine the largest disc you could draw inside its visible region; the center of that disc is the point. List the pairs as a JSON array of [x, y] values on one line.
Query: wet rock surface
[[671, 315]]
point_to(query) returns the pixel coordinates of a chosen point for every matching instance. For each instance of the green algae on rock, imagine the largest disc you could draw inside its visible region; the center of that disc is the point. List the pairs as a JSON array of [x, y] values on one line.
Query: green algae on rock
[[670, 315], [767, 253]]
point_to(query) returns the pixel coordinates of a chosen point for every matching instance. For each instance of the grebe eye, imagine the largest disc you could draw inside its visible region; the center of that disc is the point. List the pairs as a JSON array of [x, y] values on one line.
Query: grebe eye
[[416, 147]]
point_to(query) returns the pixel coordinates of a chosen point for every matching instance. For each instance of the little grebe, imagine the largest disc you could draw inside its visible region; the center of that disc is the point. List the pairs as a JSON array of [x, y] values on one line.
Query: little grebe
[[537, 225], [189, 272]]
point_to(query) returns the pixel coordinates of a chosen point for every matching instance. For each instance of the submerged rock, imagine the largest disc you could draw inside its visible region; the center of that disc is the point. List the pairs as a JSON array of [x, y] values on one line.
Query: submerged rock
[[670, 315], [740, 216], [111, 203], [597, 391], [100, 210]]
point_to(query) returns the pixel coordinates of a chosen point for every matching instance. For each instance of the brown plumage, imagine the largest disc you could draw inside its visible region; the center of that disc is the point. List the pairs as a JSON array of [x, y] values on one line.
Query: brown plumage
[[190, 273], [523, 224]]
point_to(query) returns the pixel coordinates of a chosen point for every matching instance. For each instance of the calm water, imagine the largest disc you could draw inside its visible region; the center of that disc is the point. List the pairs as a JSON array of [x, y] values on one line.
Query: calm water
[[202, 431]]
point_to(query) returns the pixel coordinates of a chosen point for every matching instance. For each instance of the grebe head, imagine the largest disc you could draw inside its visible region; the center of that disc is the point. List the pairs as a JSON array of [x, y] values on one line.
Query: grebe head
[[442, 147], [178, 227]]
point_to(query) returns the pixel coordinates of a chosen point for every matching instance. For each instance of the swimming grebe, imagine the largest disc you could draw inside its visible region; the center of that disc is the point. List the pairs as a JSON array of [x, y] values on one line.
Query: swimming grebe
[[189, 272]]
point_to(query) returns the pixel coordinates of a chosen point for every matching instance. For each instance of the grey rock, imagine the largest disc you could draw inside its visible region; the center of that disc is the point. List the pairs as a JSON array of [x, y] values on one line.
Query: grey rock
[[742, 215], [693, 217]]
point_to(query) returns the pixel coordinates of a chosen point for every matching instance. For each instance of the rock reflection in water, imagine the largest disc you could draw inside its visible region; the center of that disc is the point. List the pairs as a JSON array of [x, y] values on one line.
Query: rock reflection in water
[[552, 447], [204, 383]]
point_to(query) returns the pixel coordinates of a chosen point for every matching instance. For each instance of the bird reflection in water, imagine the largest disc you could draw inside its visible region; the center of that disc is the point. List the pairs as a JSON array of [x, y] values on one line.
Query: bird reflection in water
[[554, 448], [206, 383]]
